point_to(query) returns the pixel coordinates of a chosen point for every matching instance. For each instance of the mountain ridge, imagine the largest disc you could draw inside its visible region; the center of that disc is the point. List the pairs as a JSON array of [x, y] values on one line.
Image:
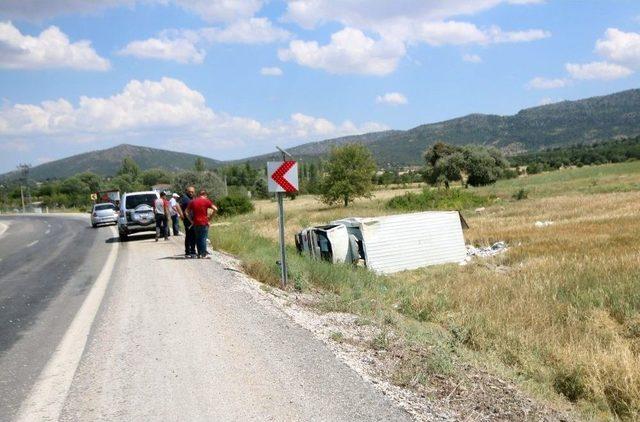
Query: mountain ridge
[[588, 120]]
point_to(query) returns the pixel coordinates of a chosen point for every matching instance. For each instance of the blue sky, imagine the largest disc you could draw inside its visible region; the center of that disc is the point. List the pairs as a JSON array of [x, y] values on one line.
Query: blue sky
[[231, 79]]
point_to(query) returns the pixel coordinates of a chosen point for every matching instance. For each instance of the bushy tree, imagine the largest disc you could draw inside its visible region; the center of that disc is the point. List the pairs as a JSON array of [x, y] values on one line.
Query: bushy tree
[[199, 165], [154, 176], [129, 167], [92, 180], [483, 166], [260, 189], [448, 163], [126, 183], [349, 172], [207, 180]]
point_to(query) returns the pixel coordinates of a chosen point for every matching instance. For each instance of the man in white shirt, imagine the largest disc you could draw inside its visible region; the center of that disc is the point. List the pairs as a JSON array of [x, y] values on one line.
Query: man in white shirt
[[176, 213], [161, 211]]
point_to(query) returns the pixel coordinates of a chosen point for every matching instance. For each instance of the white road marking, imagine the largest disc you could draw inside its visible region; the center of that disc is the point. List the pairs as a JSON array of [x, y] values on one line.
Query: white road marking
[[50, 391], [32, 243], [48, 231], [3, 228]]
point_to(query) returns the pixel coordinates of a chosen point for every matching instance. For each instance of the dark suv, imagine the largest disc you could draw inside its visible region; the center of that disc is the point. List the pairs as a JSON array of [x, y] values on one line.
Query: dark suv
[[136, 213]]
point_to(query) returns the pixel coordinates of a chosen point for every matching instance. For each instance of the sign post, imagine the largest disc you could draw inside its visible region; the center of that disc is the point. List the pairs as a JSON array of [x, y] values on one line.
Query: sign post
[[283, 179]]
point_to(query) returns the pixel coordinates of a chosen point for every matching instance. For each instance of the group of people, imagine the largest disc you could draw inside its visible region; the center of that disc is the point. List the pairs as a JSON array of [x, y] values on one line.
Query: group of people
[[195, 213]]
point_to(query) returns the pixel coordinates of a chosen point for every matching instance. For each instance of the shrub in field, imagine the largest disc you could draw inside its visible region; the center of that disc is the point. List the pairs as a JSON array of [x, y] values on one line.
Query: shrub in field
[[570, 384], [442, 199], [520, 195], [234, 205]]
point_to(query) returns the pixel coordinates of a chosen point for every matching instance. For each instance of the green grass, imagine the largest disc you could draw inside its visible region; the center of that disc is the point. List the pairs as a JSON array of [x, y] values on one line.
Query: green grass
[[438, 199]]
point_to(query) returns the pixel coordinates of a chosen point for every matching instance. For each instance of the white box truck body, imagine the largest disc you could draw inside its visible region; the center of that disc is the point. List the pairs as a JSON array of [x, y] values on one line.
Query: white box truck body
[[391, 243]]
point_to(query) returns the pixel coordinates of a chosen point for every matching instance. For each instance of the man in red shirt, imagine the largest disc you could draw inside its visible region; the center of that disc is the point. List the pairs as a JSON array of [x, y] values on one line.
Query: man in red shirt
[[198, 215]]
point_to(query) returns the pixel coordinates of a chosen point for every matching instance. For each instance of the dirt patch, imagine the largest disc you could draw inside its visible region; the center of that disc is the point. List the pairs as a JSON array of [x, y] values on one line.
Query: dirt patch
[[469, 394]]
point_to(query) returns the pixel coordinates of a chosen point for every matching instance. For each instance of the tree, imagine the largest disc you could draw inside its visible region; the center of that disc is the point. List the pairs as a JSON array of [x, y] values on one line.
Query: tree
[[199, 165], [154, 176], [207, 180], [448, 163], [445, 164], [260, 189], [92, 180], [349, 172], [129, 167], [483, 166]]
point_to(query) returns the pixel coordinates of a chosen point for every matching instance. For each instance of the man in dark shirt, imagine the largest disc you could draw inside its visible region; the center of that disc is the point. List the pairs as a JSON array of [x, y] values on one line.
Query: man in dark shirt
[[189, 229], [198, 210]]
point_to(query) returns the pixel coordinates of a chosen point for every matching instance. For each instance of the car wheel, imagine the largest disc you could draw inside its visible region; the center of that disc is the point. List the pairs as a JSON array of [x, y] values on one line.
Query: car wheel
[[123, 237], [94, 225]]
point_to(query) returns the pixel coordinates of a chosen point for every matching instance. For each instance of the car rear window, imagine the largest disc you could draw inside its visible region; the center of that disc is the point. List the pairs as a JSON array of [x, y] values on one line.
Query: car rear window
[[134, 200], [105, 207]]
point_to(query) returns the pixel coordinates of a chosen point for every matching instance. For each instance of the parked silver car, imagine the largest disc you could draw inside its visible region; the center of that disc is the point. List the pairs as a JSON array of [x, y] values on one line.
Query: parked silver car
[[136, 213], [105, 213]]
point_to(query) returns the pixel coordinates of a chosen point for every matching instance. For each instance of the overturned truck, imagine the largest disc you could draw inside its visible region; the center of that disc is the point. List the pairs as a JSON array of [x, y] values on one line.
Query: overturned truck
[[390, 243]]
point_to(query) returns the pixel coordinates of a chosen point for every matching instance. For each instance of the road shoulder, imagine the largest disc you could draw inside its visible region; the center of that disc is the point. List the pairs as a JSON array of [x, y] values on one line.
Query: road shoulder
[[181, 339]]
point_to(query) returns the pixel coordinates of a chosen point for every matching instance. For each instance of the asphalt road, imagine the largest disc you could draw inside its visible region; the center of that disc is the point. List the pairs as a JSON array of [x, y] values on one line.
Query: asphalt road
[[47, 265], [94, 329]]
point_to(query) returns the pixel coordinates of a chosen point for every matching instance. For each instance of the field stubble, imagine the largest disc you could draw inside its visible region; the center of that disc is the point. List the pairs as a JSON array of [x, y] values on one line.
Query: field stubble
[[558, 313]]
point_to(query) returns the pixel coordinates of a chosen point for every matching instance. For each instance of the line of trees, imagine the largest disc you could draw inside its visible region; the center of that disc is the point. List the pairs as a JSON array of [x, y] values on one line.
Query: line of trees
[[348, 173], [615, 151]]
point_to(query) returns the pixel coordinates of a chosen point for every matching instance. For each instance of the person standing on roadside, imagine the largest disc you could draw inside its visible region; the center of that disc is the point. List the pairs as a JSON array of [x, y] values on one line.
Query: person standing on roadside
[[189, 229], [161, 210], [175, 211], [199, 214]]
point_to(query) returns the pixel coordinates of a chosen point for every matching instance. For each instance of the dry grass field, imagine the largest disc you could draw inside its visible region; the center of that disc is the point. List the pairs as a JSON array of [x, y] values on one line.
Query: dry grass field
[[558, 313]]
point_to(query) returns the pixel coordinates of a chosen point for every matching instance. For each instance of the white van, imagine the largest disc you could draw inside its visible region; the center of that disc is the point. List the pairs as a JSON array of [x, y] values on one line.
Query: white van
[[390, 243]]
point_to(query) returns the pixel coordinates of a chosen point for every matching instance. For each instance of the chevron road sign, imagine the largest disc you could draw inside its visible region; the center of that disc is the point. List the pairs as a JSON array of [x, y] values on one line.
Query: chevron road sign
[[283, 176]]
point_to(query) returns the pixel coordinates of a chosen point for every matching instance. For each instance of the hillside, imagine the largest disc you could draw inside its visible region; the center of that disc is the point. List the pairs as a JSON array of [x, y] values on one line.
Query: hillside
[[106, 162], [553, 125], [564, 123]]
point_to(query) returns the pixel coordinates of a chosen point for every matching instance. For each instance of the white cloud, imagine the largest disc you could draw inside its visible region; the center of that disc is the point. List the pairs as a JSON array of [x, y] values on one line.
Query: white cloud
[[392, 98], [165, 111], [497, 35], [544, 83], [271, 71], [188, 46], [249, 31], [38, 9], [181, 50], [456, 33], [377, 13], [620, 47], [525, 1], [547, 101], [15, 145], [472, 58], [50, 49], [302, 126], [221, 10], [597, 70], [209, 10], [350, 51], [394, 25]]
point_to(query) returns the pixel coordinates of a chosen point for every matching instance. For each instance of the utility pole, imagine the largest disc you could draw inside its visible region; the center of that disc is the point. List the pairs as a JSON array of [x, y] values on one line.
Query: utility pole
[[24, 181], [22, 198]]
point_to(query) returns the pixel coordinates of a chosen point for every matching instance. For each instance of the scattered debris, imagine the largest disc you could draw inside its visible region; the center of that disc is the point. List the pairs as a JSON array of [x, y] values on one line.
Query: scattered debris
[[495, 249], [545, 223], [479, 210]]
